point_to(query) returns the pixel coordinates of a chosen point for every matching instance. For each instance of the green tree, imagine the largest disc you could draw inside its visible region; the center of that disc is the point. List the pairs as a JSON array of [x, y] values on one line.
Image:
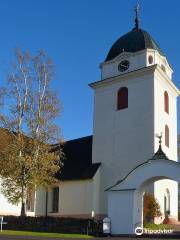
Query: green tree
[[31, 107], [151, 208]]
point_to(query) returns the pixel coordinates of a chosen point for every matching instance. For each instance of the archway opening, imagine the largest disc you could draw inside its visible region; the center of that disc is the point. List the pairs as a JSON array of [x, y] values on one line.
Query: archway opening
[[159, 201]]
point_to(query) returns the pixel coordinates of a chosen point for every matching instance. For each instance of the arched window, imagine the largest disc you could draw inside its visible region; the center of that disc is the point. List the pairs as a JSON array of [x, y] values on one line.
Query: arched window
[[166, 102], [55, 199], [150, 59], [122, 98], [167, 136]]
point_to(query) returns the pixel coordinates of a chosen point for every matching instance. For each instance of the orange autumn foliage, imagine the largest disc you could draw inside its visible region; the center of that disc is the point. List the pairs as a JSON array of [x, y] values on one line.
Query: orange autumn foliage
[[151, 208]]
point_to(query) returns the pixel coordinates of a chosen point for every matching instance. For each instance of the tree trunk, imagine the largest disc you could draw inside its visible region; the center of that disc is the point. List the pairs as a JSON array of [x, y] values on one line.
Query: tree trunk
[[23, 210]]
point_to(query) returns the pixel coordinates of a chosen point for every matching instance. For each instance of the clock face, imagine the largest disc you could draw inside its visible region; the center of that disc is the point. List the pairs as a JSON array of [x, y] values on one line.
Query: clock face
[[124, 65]]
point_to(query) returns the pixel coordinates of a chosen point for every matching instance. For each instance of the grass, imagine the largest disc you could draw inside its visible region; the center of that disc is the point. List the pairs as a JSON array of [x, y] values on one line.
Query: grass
[[43, 234], [153, 226]]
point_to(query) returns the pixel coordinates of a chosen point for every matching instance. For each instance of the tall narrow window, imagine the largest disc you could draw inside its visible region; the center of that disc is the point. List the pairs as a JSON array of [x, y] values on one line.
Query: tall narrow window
[[166, 102], [30, 200], [55, 199], [122, 98], [167, 136]]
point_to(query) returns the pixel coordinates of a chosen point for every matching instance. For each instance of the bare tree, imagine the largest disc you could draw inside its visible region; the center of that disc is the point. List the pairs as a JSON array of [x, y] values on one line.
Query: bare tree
[[28, 162]]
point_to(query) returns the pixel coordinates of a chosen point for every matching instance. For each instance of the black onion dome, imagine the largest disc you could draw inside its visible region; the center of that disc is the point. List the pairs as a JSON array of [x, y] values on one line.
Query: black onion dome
[[133, 41]]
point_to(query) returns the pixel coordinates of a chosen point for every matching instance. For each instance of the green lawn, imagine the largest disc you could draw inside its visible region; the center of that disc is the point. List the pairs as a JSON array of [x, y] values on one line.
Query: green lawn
[[42, 234], [153, 226]]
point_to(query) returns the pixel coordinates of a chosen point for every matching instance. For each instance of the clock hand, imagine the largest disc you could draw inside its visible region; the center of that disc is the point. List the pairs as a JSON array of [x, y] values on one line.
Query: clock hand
[[122, 65]]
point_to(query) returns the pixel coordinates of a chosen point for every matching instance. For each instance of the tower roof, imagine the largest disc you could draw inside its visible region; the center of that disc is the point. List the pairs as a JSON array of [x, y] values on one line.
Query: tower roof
[[133, 41]]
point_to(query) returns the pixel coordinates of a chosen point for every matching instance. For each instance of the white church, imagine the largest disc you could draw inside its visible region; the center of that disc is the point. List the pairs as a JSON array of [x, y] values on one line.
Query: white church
[[107, 173]]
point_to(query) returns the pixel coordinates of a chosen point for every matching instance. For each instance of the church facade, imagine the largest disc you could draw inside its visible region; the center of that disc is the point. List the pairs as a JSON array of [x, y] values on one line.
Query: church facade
[[134, 101]]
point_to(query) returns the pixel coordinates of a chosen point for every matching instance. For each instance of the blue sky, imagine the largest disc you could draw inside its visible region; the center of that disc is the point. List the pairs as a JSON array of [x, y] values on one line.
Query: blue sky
[[77, 35]]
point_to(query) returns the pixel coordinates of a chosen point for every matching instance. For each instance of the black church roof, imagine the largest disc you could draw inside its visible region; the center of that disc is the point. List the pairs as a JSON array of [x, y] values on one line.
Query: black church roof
[[133, 41], [78, 160]]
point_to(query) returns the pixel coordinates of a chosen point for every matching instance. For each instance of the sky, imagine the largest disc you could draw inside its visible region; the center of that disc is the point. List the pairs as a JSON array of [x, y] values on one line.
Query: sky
[[77, 35]]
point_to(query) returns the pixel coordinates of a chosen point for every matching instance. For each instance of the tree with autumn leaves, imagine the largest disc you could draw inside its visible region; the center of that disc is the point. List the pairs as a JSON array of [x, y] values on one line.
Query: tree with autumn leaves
[[28, 109], [151, 208]]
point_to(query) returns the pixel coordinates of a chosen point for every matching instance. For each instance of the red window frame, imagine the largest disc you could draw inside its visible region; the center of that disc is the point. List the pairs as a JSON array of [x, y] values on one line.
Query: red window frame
[[166, 102], [122, 98], [167, 136]]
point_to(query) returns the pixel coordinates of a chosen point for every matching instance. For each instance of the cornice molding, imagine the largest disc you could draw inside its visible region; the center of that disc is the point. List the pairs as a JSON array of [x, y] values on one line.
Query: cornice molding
[[122, 77]]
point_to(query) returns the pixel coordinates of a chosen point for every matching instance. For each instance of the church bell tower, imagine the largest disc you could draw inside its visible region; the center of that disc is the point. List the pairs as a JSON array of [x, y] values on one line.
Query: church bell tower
[[134, 100]]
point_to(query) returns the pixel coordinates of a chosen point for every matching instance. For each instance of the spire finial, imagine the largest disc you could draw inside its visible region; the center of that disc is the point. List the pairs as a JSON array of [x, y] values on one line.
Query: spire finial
[[137, 19], [159, 154], [160, 139]]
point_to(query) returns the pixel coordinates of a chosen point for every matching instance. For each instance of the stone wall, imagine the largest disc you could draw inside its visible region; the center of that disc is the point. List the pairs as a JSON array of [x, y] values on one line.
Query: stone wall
[[52, 224]]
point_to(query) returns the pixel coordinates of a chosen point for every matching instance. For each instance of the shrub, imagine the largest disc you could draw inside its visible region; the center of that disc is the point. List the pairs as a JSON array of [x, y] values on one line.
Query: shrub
[[151, 208]]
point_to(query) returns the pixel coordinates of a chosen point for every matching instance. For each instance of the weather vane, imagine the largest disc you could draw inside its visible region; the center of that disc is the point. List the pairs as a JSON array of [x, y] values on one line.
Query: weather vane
[[160, 138], [137, 19]]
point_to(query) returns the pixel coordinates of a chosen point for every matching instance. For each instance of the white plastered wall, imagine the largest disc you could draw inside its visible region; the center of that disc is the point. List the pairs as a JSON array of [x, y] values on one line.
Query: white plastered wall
[[121, 217], [77, 198], [124, 139], [137, 60], [162, 83], [119, 135]]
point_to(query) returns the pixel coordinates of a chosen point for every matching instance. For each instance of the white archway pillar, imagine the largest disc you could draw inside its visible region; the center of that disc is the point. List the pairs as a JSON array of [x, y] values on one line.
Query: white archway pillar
[[138, 209], [125, 211], [120, 211]]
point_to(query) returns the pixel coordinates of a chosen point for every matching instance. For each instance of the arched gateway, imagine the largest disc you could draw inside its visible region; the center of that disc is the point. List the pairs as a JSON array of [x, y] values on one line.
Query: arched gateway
[[127, 194]]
